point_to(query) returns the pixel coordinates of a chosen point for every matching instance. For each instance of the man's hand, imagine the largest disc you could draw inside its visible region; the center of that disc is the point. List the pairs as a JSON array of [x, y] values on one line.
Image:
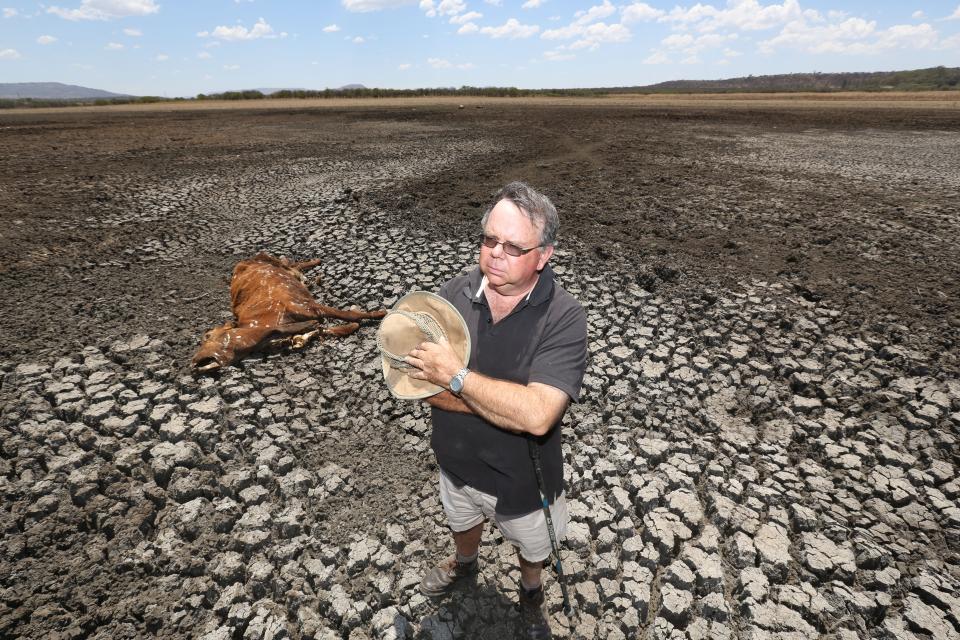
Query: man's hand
[[436, 363], [532, 408]]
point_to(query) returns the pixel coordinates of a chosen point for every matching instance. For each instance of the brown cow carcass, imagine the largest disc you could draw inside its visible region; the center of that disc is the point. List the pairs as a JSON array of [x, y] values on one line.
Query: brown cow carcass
[[272, 308]]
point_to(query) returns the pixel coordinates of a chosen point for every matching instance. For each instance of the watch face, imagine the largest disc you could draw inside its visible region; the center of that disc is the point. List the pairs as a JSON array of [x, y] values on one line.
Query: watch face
[[456, 385]]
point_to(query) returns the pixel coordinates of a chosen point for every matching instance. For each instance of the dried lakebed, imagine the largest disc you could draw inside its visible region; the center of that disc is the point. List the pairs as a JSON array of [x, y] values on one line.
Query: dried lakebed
[[748, 461]]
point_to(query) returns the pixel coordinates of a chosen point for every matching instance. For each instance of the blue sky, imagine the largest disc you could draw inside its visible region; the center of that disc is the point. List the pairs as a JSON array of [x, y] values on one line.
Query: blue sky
[[179, 48]]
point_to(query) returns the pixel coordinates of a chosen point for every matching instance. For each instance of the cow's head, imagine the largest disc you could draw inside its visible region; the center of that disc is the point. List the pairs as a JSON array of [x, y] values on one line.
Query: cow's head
[[218, 348], [227, 344]]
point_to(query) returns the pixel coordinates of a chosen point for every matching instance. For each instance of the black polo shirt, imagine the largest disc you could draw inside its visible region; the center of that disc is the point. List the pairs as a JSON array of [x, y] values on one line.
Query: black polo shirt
[[544, 339]]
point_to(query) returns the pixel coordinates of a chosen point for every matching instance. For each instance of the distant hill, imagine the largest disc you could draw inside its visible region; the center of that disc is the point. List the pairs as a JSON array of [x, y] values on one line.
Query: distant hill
[[52, 91], [933, 79]]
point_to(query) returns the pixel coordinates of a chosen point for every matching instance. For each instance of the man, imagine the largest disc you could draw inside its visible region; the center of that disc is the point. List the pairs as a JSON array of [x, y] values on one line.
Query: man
[[528, 356]]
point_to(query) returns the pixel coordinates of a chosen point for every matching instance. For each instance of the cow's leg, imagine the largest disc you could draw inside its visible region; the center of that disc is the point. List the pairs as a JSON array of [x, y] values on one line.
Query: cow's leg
[[296, 334], [294, 327], [306, 265], [341, 329], [301, 340], [348, 314]]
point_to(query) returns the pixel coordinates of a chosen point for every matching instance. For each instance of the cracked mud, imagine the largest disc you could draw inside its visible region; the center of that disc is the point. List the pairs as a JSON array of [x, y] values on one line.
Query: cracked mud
[[767, 443]]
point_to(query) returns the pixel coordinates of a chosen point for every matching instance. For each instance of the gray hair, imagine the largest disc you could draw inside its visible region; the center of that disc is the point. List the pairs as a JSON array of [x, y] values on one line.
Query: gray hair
[[536, 206]]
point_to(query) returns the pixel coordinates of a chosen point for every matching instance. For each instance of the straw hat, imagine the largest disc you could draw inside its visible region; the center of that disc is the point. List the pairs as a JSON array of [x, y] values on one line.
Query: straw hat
[[417, 317]]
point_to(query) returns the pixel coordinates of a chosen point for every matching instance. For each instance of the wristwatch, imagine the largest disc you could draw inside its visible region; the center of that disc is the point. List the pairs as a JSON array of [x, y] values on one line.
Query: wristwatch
[[456, 382]]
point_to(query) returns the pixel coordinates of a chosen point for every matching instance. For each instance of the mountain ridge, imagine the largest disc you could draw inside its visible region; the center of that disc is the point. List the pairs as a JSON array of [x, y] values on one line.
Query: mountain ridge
[[932, 78], [53, 91]]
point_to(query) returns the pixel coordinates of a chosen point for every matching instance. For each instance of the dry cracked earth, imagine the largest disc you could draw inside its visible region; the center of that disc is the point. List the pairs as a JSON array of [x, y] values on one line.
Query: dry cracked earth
[[767, 445]]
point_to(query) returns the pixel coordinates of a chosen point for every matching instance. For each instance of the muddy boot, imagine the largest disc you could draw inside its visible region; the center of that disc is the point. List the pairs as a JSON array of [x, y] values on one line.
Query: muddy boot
[[442, 578], [533, 622]]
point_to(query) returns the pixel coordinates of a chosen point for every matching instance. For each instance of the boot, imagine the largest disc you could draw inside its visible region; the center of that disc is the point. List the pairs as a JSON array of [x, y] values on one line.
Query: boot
[[533, 622], [442, 578]]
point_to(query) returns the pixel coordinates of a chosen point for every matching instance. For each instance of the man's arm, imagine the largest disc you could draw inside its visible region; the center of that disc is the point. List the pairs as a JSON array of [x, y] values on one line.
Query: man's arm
[[449, 402], [533, 408]]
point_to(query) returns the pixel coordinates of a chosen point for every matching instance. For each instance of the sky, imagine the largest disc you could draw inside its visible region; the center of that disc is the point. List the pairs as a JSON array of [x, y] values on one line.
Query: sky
[[181, 48]]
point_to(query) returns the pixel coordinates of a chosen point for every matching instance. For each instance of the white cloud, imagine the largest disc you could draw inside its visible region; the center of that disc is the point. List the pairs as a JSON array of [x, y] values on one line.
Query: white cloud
[[596, 34], [468, 28], [953, 42], [495, 3], [691, 45], [690, 60], [204, 55], [678, 40], [113, 46], [46, 40], [557, 55], [597, 12], [9, 54], [162, 57], [919, 14], [511, 29], [364, 6], [852, 36], [9, 12], [331, 28], [106, 9], [466, 17], [440, 63], [444, 8], [955, 15], [563, 33], [358, 40], [731, 53], [231, 67], [657, 57], [532, 4], [908, 36], [591, 35], [822, 38], [133, 33], [639, 12], [260, 30], [404, 67], [746, 15]]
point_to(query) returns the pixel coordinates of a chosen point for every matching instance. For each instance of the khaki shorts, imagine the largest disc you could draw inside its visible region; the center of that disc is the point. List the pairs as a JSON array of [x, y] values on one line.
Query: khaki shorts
[[466, 508]]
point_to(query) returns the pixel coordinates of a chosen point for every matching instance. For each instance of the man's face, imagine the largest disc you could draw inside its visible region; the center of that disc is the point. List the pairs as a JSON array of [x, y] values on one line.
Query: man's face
[[512, 275]]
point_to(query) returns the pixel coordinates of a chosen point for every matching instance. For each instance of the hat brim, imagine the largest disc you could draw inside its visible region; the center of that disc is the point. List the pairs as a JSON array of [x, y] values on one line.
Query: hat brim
[[446, 315]]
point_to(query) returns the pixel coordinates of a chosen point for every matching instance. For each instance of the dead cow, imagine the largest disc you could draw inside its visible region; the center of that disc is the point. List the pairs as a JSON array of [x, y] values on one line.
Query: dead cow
[[272, 307]]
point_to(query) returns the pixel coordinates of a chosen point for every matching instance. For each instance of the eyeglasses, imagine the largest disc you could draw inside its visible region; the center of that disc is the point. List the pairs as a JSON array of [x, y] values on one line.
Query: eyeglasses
[[508, 247]]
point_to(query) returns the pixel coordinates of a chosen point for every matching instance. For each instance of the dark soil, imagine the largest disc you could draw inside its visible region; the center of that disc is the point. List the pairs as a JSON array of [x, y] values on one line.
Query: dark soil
[[668, 195], [772, 297]]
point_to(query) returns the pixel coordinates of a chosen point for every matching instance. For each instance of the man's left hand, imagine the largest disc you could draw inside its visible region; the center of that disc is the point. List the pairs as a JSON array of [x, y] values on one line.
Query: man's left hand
[[436, 363]]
